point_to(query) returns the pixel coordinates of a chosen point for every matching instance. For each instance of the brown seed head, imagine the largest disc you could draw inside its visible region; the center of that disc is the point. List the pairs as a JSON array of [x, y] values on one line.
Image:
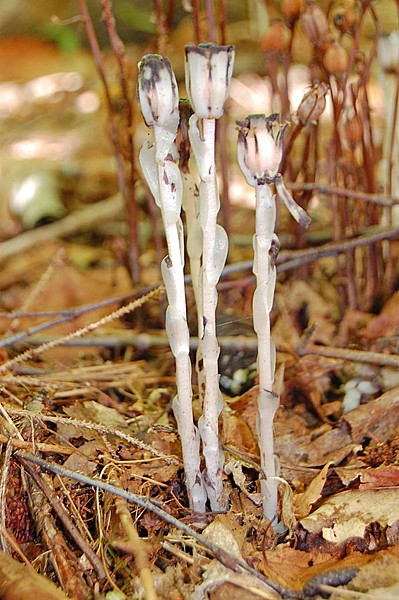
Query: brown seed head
[[345, 18], [352, 128], [275, 39], [313, 103], [292, 9], [315, 25], [335, 59]]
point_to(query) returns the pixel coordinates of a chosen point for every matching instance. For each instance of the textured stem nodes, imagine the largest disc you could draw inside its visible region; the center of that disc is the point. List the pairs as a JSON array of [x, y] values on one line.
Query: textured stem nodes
[[158, 96], [259, 153], [208, 76]]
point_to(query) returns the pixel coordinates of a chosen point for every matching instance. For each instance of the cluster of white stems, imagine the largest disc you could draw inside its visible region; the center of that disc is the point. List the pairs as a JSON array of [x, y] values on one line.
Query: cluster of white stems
[[209, 70]]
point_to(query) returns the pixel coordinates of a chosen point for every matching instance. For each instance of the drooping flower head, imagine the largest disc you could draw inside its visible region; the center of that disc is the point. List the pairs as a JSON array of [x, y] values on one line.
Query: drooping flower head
[[209, 68], [157, 92], [259, 148]]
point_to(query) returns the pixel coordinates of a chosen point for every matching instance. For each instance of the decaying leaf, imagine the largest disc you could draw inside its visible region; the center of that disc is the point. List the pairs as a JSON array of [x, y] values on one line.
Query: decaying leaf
[[217, 575], [346, 515], [303, 502], [19, 582]]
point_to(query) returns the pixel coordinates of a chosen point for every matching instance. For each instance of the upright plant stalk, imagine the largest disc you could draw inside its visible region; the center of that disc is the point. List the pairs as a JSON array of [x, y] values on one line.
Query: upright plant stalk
[[190, 201], [265, 272], [208, 75], [259, 157], [158, 96]]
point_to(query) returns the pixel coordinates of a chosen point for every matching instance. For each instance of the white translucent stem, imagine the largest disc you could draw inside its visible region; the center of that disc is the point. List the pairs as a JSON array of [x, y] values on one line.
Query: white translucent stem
[[211, 256], [194, 233], [262, 304], [177, 328]]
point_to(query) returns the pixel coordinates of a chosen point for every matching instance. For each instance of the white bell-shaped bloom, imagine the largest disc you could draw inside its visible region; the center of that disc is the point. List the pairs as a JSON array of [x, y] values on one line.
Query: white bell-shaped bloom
[[259, 148], [209, 68]]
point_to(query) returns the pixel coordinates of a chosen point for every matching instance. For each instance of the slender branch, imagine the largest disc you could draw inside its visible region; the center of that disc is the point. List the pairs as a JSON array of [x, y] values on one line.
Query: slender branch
[[131, 201], [360, 356], [86, 218], [380, 199], [82, 331], [228, 560], [102, 429]]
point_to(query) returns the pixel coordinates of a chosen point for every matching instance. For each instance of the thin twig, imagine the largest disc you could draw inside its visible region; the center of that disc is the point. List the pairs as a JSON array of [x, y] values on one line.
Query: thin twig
[[83, 219], [65, 519], [3, 499], [137, 548], [228, 560], [102, 429], [82, 331], [131, 200], [40, 446], [361, 356], [380, 199]]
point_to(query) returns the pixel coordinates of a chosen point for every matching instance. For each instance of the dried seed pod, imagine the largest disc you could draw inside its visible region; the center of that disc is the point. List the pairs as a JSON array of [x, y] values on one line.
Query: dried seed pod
[[315, 25], [335, 59], [276, 38], [359, 62], [352, 127], [292, 9], [345, 18], [388, 52], [313, 103]]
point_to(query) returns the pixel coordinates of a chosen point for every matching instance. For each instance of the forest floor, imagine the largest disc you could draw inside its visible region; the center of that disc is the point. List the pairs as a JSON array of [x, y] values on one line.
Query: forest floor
[[98, 403], [86, 385]]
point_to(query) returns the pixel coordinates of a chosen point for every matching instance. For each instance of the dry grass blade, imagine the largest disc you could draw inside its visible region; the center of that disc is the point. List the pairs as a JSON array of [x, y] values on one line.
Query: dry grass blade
[[229, 561], [18, 582], [129, 308]]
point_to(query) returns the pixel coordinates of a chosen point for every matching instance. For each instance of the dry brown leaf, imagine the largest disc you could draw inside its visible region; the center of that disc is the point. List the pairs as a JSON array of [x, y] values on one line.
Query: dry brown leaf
[[382, 477], [217, 575], [19, 582], [293, 568], [303, 502], [386, 323], [346, 515], [378, 418], [97, 413], [80, 460], [237, 433]]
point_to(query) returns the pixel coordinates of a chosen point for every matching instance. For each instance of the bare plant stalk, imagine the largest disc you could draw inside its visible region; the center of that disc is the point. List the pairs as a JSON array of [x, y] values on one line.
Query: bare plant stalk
[[158, 97], [208, 424], [208, 75], [265, 271], [131, 200], [259, 154], [127, 193]]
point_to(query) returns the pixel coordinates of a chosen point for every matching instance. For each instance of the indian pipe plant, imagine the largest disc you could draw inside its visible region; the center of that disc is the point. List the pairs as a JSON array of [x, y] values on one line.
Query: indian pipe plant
[[259, 153], [209, 70]]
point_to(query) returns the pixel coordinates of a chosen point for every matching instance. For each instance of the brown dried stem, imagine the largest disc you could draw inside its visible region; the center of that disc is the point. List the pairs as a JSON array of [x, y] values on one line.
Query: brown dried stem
[[65, 519], [113, 120], [136, 547], [128, 98]]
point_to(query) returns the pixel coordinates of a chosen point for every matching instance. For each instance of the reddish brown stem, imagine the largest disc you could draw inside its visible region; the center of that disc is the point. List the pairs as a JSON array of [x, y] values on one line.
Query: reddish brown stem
[[196, 22], [131, 201], [210, 17]]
